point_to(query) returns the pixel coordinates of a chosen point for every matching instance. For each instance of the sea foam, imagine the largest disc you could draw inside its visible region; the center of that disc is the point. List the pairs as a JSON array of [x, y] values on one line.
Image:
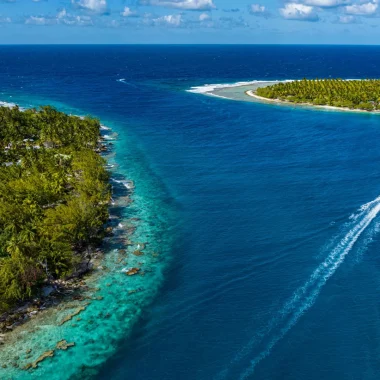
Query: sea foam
[[305, 296], [208, 88], [7, 104]]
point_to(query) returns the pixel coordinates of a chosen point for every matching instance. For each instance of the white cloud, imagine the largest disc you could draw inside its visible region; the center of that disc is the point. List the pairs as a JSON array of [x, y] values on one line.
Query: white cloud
[[326, 3], [364, 9], [5, 20], [36, 20], [258, 10], [72, 20], [127, 12], [62, 13], [98, 6], [190, 5], [62, 17], [294, 11], [204, 17], [171, 20]]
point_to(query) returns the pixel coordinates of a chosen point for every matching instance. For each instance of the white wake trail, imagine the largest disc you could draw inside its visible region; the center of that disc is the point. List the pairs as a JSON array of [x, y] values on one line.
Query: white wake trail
[[339, 253], [305, 296]]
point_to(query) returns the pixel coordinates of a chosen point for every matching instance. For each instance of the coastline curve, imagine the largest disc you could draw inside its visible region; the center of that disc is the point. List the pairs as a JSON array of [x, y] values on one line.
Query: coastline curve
[[245, 91], [76, 338]]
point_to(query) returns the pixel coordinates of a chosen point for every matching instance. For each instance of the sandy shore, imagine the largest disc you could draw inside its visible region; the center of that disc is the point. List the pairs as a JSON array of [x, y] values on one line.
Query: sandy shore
[[331, 108]]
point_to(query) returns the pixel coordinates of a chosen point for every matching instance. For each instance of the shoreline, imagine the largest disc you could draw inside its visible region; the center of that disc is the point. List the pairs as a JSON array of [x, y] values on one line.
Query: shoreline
[[331, 108], [132, 260], [58, 296], [52, 294], [228, 91]]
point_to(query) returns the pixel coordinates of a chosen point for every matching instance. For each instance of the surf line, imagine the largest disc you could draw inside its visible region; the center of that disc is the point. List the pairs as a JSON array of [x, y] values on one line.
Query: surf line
[[305, 296]]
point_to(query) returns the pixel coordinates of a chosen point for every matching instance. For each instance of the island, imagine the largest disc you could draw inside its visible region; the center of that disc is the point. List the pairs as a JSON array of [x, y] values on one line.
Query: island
[[74, 257], [360, 95], [54, 196]]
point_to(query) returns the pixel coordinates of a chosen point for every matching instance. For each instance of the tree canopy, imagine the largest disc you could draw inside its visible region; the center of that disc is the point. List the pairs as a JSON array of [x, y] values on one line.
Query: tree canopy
[[54, 195], [353, 94]]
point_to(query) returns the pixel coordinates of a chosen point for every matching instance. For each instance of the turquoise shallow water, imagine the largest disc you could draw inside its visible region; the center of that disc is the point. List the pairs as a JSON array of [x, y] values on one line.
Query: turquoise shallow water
[[266, 216], [97, 330]]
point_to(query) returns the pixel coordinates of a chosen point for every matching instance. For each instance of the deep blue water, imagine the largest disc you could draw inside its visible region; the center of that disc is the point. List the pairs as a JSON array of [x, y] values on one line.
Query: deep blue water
[[263, 195]]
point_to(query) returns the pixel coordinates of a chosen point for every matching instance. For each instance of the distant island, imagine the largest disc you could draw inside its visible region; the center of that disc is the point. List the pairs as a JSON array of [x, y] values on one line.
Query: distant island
[[360, 95], [54, 196]]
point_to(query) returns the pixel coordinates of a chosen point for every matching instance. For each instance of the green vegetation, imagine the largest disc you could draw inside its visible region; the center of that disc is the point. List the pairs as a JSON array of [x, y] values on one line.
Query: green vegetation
[[354, 94], [54, 196]]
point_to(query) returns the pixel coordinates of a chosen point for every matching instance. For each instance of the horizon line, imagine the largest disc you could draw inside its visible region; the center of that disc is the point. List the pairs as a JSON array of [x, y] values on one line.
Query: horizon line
[[182, 44]]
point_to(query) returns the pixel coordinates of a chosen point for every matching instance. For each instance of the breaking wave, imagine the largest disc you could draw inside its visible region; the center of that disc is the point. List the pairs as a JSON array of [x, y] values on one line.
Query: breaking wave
[[209, 88]]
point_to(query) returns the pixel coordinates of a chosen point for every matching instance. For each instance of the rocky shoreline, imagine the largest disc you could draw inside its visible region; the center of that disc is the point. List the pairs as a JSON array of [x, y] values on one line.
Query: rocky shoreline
[[77, 323], [59, 295], [51, 296], [57, 291]]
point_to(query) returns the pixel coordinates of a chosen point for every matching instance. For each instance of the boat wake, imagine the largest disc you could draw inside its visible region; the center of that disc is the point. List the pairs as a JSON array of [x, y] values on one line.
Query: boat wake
[[261, 345]]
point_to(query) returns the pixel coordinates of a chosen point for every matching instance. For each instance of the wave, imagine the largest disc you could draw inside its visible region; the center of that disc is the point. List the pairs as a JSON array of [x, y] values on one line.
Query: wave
[[108, 137], [305, 296], [151, 224], [207, 88], [218, 96], [124, 81], [7, 104], [126, 183]]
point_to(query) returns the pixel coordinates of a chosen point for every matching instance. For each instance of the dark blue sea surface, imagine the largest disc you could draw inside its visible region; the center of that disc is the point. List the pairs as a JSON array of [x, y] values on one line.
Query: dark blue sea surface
[[275, 267]]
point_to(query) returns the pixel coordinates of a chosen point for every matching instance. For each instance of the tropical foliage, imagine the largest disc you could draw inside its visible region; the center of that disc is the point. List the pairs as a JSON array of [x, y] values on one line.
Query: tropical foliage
[[355, 94], [54, 196]]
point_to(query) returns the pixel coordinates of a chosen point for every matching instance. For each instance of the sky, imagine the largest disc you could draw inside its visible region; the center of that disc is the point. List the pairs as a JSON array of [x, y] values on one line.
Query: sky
[[190, 21]]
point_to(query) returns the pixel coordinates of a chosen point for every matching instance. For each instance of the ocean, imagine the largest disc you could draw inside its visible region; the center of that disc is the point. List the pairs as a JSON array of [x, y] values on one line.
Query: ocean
[[261, 220]]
